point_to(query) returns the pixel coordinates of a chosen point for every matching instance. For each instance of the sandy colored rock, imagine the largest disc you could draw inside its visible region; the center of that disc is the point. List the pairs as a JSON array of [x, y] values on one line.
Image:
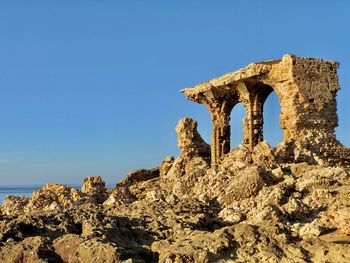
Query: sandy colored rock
[[119, 195], [139, 175], [30, 250], [14, 205], [66, 246], [95, 251], [54, 197], [166, 165], [263, 155], [342, 219], [93, 185], [253, 203], [189, 141]]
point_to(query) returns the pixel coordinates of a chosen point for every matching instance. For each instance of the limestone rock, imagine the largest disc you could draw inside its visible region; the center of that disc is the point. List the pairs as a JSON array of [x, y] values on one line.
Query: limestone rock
[[234, 180], [309, 230], [263, 155], [119, 195], [93, 186], [159, 226], [166, 165], [184, 175], [318, 178], [138, 176], [231, 215], [190, 142], [31, 250], [50, 197], [96, 251], [277, 174], [244, 184], [54, 197], [342, 220], [14, 205], [66, 246]]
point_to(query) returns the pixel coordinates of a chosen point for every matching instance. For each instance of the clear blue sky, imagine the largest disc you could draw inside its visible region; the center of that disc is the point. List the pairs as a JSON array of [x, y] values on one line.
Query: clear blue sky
[[92, 87]]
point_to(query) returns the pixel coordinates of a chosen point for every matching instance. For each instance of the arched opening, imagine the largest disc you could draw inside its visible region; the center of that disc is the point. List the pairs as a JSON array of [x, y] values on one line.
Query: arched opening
[[236, 122], [273, 133], [205, 126]]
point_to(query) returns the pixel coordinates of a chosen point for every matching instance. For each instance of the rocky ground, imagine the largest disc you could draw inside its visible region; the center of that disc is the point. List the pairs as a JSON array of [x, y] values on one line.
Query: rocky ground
[[250, 208]]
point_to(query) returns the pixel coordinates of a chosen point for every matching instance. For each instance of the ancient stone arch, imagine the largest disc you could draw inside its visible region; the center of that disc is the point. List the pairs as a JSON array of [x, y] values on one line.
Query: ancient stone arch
[[306, 88]]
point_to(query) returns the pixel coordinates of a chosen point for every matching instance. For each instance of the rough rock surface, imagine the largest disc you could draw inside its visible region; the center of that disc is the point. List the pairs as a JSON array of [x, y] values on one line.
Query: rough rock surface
[[253, 204], [93, 185], [190, 142], [290, 219], [241, 211]]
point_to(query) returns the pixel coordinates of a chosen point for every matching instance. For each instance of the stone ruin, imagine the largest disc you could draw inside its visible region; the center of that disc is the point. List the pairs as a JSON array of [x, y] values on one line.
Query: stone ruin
[[253, 203], [306, 89]]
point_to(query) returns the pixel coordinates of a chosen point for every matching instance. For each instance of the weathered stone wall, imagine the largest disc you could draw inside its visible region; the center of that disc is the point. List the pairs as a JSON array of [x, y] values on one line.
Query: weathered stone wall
[[318, 83]]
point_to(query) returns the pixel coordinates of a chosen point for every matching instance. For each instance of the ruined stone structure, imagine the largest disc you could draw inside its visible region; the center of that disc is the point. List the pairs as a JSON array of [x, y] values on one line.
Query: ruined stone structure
[[256, 203], [306, 88]]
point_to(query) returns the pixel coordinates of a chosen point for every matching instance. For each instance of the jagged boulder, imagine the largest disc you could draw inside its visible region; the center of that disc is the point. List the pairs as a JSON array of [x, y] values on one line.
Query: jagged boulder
[[66, 246], [119, 196], [133, 185], [50, 197], [30, 250], [183, 177], [190, 142], [263, 155], [93, 186], [139, 175], [166, 165], [94, 250], [54, 197], [14, 205], [236, 178]]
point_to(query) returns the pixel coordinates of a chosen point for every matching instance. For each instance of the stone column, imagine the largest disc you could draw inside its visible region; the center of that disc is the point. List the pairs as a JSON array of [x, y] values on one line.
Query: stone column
[[220, 139], [258, 96], [253, 122], [257, 123], [247, 124]]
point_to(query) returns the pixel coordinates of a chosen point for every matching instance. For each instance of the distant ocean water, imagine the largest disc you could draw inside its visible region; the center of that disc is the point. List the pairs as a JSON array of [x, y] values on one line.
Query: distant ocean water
[[28, 190], [17, 191]]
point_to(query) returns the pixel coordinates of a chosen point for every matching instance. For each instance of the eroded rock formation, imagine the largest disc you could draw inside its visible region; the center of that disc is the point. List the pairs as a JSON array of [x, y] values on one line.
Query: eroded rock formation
[[93, 185], [190, 142], [253, 203]]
